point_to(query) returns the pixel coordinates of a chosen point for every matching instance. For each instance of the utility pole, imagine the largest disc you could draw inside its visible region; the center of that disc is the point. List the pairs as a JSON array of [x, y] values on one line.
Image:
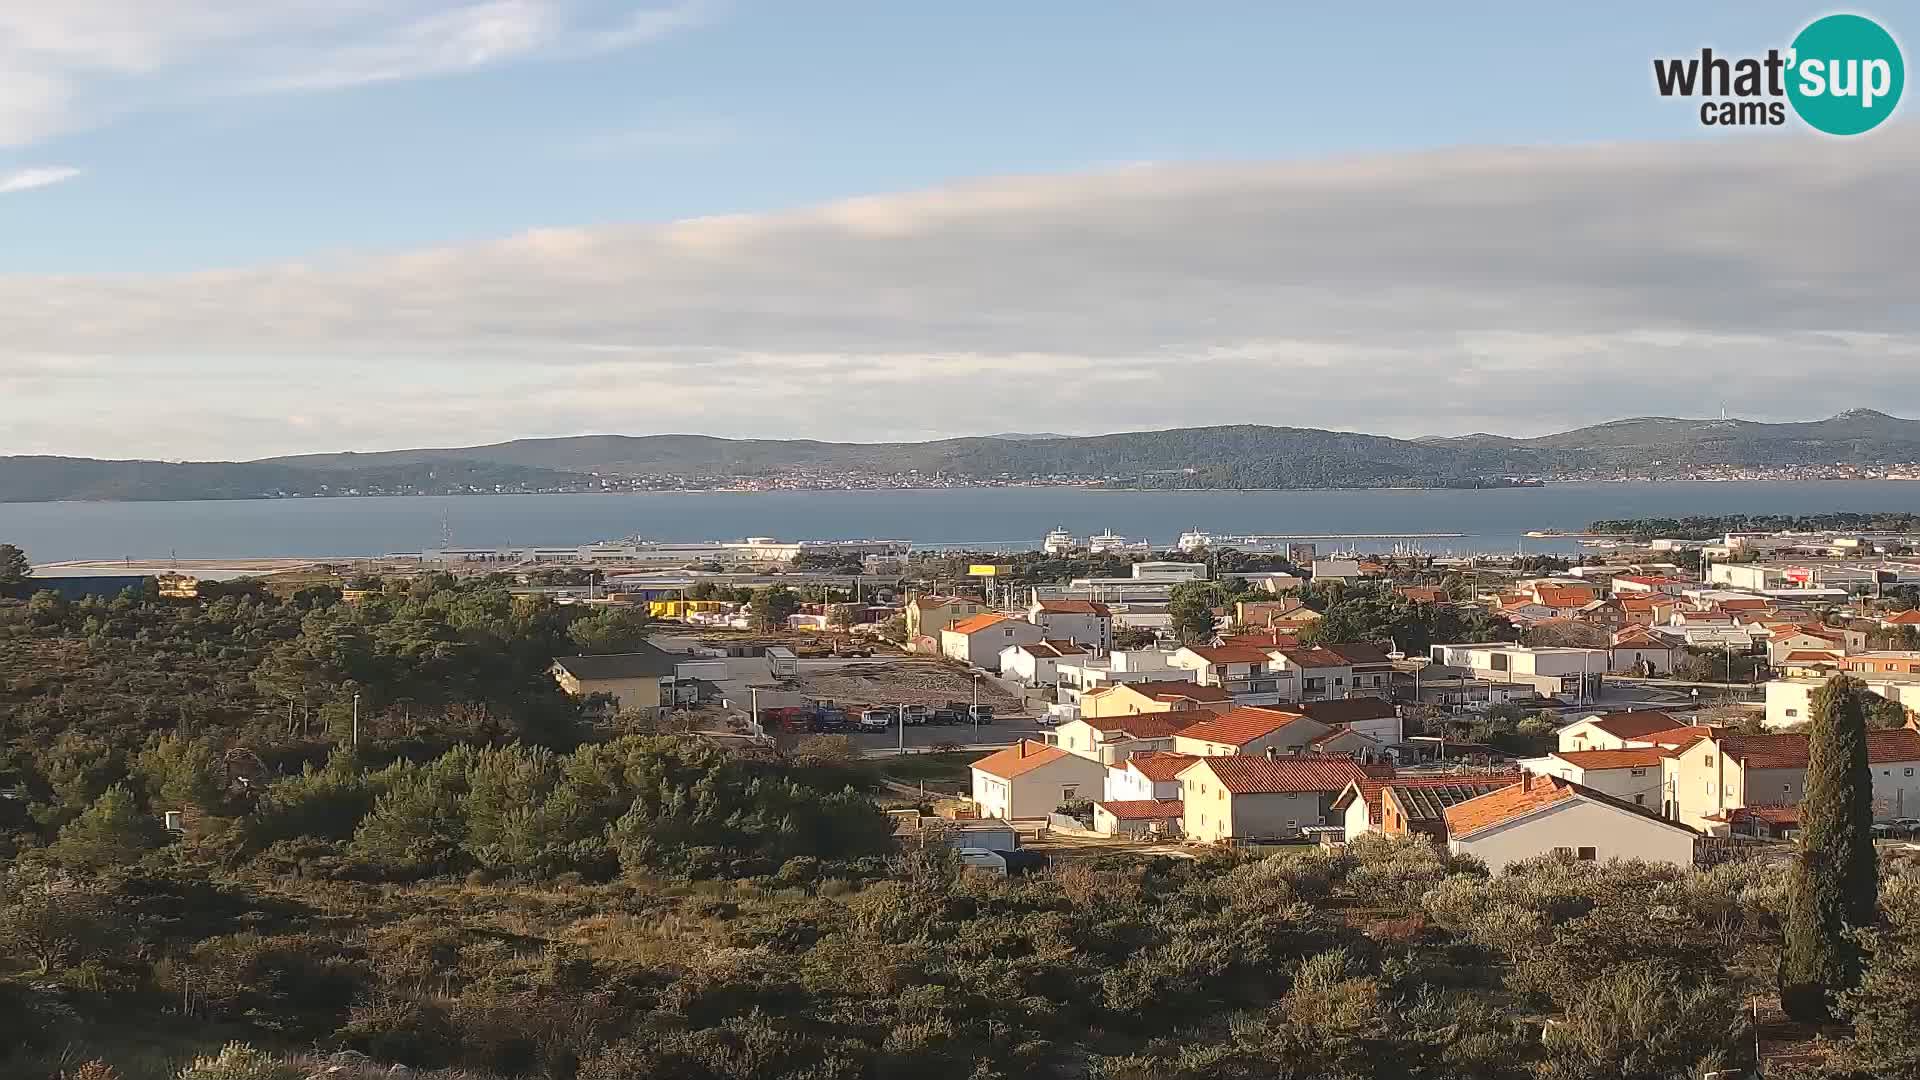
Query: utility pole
[[356, 721], [975, 711]]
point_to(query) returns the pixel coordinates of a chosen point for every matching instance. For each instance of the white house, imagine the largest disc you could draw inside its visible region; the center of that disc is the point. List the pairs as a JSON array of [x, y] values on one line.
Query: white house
[[1086, 622], [1318, 673], [1376, 718], [1638, 650], [1615, 730], [1038, 663], [1260, 796], [1635, 775], [1244, 671], [978, 641], [1249, 731], [1544, 815], [1151, 775], [1030, 779], [1111, 740]]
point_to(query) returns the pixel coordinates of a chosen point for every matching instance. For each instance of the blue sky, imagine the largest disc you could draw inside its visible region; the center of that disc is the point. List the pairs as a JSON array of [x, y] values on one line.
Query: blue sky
[[747, 106], [302, 151]]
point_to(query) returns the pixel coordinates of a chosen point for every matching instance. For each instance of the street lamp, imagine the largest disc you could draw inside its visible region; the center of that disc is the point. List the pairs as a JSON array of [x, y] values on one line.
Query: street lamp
[[975, 711]]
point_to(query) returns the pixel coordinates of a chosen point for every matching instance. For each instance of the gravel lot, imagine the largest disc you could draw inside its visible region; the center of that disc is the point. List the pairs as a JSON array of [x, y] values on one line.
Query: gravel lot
[[891, 681]]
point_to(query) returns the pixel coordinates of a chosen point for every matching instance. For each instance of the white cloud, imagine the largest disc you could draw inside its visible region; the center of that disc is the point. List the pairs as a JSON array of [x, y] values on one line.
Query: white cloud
[[77, 62], [28, 179], [1519, 291]]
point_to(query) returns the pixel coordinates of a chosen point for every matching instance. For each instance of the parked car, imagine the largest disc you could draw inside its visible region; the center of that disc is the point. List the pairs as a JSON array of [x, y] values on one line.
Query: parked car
[[876, 720]]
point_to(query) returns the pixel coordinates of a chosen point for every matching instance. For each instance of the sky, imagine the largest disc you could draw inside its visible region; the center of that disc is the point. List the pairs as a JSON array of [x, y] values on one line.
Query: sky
[[239, 228]]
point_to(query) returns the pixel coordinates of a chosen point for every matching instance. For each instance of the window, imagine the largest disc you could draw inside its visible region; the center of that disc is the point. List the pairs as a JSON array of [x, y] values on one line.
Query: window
[[1588, 854], [1709, 760], [1639, 800], [1908, 772], [1793, 712], [1563, 851], [1068, 793], [1223, 795], [1786, 789]]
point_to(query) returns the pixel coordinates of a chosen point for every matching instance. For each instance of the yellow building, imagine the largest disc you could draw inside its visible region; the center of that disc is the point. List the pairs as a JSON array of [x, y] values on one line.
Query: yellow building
[[1132, 699], [631, 681]]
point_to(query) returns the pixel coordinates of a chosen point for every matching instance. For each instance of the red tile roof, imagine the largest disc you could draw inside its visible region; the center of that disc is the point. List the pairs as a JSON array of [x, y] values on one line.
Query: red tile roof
[[1260, 639], [1632, 725], [1420, 594], [1316, 656], [1053, 649], [1150, 725], [1336, 733], [1903, 618], [1679, 738], [1022, 757], [1533, 794], [1168, 690], [1238, 727], [1143, 809], [1812, 656], [1257, 774], [977, 623], [1075, 607], [1358, 653], [1160, 766], [1785, 815], [1614, 759], [1563, 597], [1789, 751]]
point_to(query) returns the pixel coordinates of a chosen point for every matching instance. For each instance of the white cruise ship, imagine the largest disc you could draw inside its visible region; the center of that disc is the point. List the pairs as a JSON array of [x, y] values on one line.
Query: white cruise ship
[[1195, 540], [1105, 542], [1058, 542]]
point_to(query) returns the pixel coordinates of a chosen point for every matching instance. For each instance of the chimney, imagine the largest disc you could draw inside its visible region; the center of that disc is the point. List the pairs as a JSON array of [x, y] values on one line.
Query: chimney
[[1023, 748], [1273, 753]]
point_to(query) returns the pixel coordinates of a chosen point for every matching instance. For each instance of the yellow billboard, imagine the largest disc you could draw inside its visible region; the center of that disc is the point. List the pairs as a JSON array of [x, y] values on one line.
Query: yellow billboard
[[981, 569]]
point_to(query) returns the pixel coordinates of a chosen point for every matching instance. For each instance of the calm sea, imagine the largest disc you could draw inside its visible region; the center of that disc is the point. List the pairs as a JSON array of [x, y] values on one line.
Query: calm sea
[[1492, 520]]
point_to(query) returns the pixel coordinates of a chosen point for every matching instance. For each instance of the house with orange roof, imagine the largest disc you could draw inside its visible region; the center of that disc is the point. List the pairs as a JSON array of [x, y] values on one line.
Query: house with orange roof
[[1085, 622], [1900, 618], [1138, 817], [1399, 806], [1154, 774], [1640, 651], [1153, 696], [1726, 771], [1563, 598], [1265, 639], [928, 614], [1320, 673], [1250, 731], [1547, 815], [1030, 779], [1038, 663], [1247, 672], [1786, 639], [1423, 594], [1643, 610], [1634, 774], [978, 640], [1350, 743], [1111, 740], [1614, 730], [1261, 796]]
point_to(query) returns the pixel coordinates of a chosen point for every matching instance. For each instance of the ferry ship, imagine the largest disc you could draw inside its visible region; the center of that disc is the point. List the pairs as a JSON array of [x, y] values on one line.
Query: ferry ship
[[1058, 542], [1195, 540], [1105, 542]]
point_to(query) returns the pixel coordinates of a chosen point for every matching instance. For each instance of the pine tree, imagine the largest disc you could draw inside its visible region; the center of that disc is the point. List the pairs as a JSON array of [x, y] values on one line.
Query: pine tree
[[1836, 877], [113, 831]]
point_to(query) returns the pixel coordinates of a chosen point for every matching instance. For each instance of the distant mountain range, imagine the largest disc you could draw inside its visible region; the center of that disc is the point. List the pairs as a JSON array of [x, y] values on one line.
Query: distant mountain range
[[1236, 456]]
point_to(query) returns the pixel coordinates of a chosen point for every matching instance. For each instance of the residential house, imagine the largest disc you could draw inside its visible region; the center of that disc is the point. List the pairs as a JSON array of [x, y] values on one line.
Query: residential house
[[1375, 717], [1790, 699], [1416, 805], [1153, 774], [1644, 610], [1614, 730], [1111, 740], [1086, 622], [1563, 598], [1884, 662], [1265, 639], [1118, 666], [1350, 743], [1030, 779], [630, 681], [1318, 673], [1544, 815], [1724, 772], [1634, 774], [1899, 619], [1558, 673], [979, 640], [1261, 796], [1263, 612], [1247, 673], [1423, 594], [1143, 817], [928, 615], [1325, 570], [1132, 699], [1038, 663], [1640, 651], [1250, 731], [1787, 639], [1371, 671]]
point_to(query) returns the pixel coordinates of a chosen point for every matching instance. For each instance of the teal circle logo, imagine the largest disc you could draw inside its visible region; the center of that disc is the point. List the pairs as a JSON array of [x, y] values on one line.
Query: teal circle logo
[[1846, 74]]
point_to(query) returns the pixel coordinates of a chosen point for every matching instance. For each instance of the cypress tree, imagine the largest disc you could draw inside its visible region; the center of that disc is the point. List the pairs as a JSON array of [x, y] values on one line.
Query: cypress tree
[[1835, 881]]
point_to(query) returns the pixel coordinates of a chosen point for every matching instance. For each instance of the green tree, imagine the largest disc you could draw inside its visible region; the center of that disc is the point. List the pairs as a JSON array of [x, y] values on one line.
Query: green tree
[[14, 567], [614, 630], [771, 607], [1885, 1008], [113, 831], [1835, 877], [1190, 606]]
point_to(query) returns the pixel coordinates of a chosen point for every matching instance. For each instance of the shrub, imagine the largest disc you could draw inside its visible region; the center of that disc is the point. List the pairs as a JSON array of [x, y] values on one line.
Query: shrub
[[1638, 1022], [238, 1061]]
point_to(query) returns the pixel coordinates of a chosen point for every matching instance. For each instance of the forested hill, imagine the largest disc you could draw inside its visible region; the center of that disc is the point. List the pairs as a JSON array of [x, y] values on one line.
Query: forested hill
[[1235, 456]]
